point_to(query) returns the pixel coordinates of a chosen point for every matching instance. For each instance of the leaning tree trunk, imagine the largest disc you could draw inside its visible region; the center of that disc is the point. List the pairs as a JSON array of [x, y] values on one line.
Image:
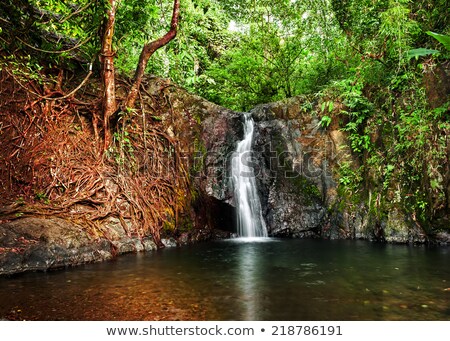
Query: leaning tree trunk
[[147, 52], [107, 61]]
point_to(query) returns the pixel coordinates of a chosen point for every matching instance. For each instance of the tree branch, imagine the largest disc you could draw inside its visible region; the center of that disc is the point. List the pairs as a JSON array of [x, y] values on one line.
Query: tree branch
[[77, 11], [55, 52], [148, 50]]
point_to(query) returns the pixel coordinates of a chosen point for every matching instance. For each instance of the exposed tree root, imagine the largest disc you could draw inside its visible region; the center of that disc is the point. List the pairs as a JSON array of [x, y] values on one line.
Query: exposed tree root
[[52, 162]]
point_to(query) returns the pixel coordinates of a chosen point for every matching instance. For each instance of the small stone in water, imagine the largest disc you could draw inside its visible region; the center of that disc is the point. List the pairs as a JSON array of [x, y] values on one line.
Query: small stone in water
[[424, 306]]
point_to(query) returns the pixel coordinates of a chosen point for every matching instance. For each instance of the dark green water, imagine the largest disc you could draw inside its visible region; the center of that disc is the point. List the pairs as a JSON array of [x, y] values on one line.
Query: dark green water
[[232, 280]]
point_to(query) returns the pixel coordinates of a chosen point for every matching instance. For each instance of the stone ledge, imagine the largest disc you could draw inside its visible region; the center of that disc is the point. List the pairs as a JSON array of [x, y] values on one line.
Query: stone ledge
[[40, 244]]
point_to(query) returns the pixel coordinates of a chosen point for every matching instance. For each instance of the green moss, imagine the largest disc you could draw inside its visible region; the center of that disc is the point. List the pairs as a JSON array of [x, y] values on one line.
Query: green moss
[[303, 185], [199, 157], [292, 182]]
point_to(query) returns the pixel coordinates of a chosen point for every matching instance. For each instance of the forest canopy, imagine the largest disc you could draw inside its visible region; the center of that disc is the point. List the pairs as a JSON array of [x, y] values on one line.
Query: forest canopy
[[235, 53]]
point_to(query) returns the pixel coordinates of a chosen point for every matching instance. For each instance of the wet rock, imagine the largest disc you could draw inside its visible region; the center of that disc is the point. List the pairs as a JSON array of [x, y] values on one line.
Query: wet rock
[[290, 185], [220, 134], [291, 194], [39, 244], [169, 242], [442, 238], [208, 134], [399, 230], [125, 245], [297, 164], [149, 244]]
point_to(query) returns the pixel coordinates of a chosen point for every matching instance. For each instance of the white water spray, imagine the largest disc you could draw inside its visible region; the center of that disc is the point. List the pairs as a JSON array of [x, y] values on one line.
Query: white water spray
[[248, 206]]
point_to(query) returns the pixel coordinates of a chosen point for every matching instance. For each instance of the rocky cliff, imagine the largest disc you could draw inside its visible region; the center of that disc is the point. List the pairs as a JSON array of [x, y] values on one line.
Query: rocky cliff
[[297, 164]]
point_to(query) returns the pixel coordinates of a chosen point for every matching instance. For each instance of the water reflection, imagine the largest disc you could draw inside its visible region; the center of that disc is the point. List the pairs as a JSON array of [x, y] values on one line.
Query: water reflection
[[251, 266], [247, 281]]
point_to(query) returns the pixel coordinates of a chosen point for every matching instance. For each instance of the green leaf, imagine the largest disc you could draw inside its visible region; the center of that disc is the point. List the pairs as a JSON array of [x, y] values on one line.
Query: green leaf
[[325, 121], [416, 53], [330, 106], [443, 39]]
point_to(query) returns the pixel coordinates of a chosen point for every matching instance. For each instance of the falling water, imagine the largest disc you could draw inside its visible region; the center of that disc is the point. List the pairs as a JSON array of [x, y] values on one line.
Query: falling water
[[249, 216]]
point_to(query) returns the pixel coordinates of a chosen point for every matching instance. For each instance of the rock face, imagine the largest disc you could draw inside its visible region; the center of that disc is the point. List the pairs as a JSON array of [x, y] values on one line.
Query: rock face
[[207, 134], [296, 163], [292, 203], [293, 179], [220, 134], [293, 187], [299, 180]]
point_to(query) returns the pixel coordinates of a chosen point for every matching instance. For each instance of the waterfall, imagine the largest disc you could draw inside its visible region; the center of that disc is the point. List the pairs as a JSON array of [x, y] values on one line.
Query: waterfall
[[250, 222]]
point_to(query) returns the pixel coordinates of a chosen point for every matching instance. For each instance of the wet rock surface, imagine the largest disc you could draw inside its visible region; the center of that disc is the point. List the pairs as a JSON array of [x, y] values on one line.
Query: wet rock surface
[[39, 244], [290, 185], [208, 134]]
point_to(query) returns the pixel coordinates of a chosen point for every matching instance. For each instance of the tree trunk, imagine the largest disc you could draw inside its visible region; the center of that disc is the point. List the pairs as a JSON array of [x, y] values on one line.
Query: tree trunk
[[147, 52], [107, 61]]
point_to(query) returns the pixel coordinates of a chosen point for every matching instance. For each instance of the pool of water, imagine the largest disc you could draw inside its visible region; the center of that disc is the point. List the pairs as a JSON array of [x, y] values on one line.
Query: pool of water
[[268, 279]]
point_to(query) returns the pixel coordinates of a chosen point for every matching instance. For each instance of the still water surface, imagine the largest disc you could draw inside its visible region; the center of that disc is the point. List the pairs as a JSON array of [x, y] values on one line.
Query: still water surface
[[235, 280]]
